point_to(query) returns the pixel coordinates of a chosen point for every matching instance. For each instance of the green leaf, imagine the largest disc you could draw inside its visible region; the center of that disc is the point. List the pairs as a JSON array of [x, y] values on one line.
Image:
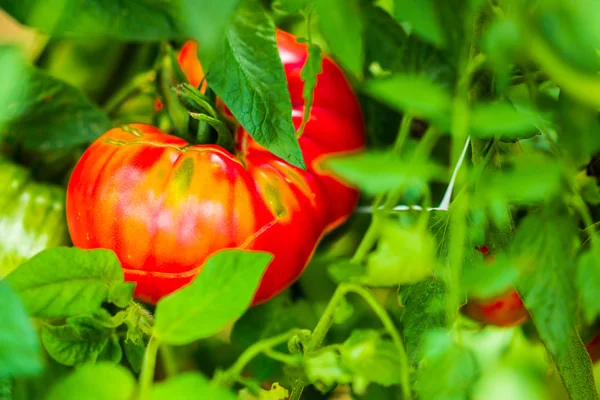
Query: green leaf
[[52, 115], [422, 311], [290, 6], [491, 279], [575, 368], [13, 75], [121, 295], [102, 381], [97, 18], [112, 353], [379, 172], [500, 43], [324, 369], [218, 295], [74, 344], [415, 94], [65, 281], [448, 371], [207, 23], [313, 66], [588, 282], [402, 256], [544, 249], [248, 76], [503, 120], [19, 346], [134, 352], [346, 271], [341, 24], [370, 359], [189, 385], [422, 17]]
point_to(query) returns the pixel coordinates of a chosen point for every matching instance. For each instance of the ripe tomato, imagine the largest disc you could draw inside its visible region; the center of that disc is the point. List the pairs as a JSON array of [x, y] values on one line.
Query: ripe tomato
[[163, 206], [504, 310]]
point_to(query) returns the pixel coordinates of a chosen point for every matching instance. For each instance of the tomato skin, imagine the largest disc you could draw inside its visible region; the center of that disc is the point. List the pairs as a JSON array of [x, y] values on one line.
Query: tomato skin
[[163, 206], [504, 310]]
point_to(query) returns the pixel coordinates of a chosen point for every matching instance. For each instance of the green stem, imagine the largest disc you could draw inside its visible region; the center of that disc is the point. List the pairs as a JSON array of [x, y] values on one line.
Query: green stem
[[168, 360], [327, 319], [148, 367], [139, 84], [403, 133], [229, 377]]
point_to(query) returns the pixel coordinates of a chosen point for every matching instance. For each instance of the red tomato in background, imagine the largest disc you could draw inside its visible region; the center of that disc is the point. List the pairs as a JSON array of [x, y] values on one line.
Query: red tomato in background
[[164, 206], [505, 310]]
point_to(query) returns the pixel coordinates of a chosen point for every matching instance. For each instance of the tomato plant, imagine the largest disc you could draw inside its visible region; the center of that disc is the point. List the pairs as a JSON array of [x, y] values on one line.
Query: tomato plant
[[299, 199]]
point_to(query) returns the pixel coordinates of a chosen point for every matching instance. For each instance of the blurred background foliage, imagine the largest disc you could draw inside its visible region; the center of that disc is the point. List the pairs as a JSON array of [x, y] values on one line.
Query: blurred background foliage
[[519, 77]]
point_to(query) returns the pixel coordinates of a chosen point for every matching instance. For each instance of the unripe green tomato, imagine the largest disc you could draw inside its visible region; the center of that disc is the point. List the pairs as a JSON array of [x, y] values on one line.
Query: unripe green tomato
[[32, 216]]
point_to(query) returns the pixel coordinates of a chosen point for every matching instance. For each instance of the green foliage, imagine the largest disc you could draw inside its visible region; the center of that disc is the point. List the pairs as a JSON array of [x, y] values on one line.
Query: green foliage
[[101, 381], [64, 282], [215, 298], [249, 61], [19, 346], [52, 115], [186, 384], [519, 78], [342, 27]]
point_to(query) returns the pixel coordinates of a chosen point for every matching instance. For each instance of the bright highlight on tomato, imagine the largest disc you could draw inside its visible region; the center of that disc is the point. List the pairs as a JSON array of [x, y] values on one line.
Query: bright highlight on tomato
[[163, 205]]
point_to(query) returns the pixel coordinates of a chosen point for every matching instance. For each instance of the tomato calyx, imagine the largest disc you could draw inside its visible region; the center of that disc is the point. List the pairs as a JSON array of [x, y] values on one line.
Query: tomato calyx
[[201, 108]]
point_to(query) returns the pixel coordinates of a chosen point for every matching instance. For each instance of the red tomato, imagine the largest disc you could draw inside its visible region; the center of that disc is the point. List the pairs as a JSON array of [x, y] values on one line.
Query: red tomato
[[163, 206], [505, 310], [593, 348]]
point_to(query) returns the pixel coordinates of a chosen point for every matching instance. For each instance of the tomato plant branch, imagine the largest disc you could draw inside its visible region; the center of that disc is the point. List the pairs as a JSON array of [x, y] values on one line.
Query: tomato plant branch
[[148, 367], [139, 84], [327, 318]]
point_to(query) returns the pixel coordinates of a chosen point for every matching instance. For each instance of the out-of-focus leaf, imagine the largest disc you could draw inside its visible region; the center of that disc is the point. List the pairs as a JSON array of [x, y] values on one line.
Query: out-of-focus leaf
[[189, 385], [544, 249], [421, 15], [377, 172], [342, 27], [135, 20], [415, 94], [403, 256], [447, 371], [13, 75], [102, 381], [48, 114], [502, 120], [19, 346]]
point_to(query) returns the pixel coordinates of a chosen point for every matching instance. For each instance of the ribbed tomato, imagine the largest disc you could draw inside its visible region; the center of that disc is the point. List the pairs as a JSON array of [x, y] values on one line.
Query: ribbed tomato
[[504, 310], [163, 205]]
